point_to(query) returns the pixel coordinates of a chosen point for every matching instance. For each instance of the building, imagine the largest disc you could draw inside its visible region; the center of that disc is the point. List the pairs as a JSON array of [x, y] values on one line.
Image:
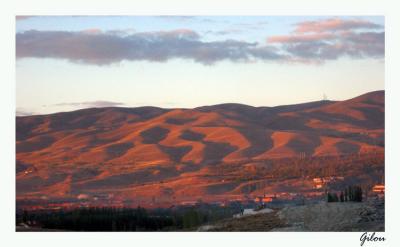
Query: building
[[265, 199], [319, 183], [379, 188]]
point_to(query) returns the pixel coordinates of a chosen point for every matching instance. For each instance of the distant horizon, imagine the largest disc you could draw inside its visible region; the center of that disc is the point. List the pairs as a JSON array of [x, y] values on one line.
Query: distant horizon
[[200, 106], [65, 63]]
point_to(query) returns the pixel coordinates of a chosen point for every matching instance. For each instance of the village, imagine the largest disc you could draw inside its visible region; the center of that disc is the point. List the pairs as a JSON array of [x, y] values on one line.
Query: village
[[256, 201]]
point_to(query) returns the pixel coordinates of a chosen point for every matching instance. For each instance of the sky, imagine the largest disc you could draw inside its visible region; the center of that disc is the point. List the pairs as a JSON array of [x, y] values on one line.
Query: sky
[[65, 63]]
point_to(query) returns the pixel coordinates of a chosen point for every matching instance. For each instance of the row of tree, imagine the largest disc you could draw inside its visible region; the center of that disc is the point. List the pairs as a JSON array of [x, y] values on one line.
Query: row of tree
[[349, 194], [124, 219]]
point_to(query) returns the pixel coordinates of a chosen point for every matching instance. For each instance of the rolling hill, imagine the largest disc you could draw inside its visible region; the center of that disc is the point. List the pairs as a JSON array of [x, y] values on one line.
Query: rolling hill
[[149, 153]]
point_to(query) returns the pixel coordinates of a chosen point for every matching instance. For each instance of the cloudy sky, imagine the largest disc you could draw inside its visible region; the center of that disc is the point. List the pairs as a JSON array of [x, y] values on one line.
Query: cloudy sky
[[72, 62]]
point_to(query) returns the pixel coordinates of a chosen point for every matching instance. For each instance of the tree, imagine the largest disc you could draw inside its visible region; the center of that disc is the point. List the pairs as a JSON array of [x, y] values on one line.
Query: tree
[[341, 196], [335, 197], [191, 219], [352, 194], [25, 216], [357, 194], [332, 197]]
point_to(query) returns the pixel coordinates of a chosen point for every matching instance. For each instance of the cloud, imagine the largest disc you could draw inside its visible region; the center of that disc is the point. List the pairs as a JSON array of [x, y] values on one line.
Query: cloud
[[334, 24], [99, 103], [354, 45], [310, 42], [316, 42], [239, 28], [106, 48], [20, 112], [92, 31], [300, 38], [225, 31], [24, 113]]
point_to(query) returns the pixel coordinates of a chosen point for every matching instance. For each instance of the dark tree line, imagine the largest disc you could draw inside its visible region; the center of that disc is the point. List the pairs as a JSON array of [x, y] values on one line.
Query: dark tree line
[[124, 219], [349, 194]]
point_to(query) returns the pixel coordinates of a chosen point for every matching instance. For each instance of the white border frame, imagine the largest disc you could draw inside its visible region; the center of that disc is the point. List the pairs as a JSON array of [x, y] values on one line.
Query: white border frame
[[205, 7]]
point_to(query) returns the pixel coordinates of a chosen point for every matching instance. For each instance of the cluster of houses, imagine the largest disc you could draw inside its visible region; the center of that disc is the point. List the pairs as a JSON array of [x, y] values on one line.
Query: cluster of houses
[[280, 199], [320, 183], [265, 199], [379, 188]]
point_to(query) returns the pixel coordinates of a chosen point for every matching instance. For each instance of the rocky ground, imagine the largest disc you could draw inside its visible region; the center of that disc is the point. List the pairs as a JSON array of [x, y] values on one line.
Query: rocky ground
[[251, 223], [349, 216], [335, 217]]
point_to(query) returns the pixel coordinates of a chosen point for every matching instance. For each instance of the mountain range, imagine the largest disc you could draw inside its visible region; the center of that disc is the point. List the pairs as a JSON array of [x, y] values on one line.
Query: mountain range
[[150, 153]]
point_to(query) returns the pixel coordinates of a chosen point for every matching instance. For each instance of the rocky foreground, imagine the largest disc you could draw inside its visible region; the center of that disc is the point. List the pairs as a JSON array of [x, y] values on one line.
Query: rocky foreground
[[335, 217]]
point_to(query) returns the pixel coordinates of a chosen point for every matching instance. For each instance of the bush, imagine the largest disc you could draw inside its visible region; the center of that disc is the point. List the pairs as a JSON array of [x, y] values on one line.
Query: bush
[[332, 197], [351, 194]]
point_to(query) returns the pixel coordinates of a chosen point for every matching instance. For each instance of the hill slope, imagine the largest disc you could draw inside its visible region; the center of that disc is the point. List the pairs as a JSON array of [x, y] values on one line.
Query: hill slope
[[132, 151]]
